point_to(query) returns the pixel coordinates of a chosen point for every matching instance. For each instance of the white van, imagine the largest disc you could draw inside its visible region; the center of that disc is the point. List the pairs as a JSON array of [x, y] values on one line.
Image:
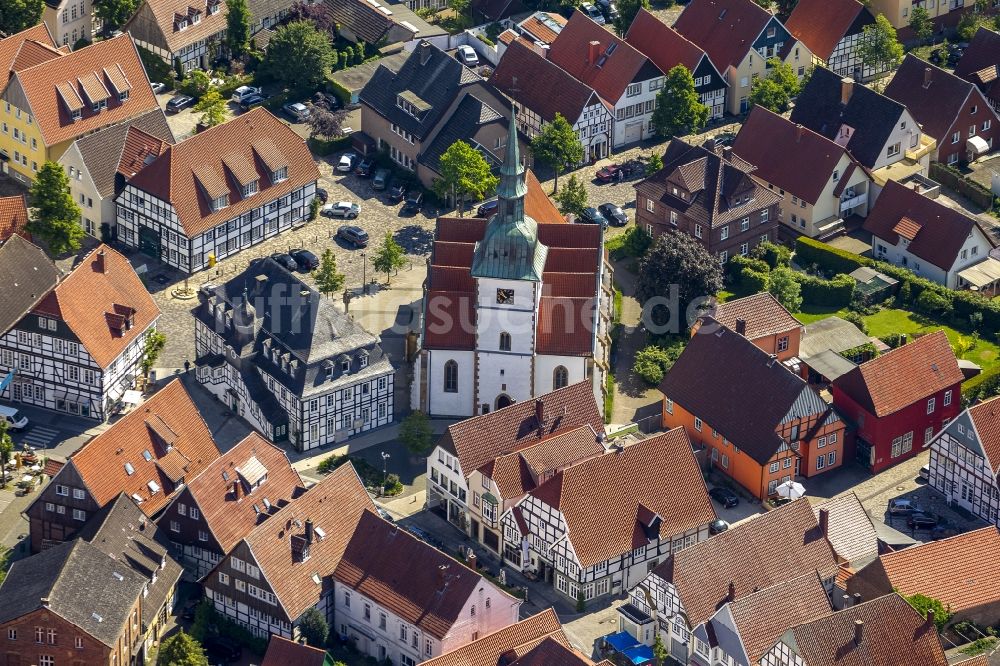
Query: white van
[[15, 419]]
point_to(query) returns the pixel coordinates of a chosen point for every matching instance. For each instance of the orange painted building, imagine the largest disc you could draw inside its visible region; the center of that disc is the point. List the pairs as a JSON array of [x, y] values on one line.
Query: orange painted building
[[762, 320], [761, 423]]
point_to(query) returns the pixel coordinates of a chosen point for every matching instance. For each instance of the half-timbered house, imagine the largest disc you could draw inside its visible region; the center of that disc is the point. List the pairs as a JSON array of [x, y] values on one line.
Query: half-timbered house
[[833, 30], [598, 527], [283, 357]]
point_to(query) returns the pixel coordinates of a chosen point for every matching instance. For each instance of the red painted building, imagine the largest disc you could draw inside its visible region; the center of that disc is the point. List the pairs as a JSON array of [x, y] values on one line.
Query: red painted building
[[898, 401]]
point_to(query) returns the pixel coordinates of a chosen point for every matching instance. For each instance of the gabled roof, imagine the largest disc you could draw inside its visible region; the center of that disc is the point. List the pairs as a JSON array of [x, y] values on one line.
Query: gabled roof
[[81, 584], [363, 19], [12, 45], [335, 506], [936, 232], [517, 639], [830, 334], [468, 118], [762, 312], [725, 29], [821, 24], [778, 148], [27, 274], [167, 12], [616, 503], [94, 68], [850, 529], [986, 417], [617, 65], [543, 26], [892, 634], [666, 47], [13, 217], [134, 143], [718, 369], [185, 173], [529, 79], [104, 303], [480, 439], [231, 512], [903, 376], [980, 63], [768, 549], [283, 652], [170, 429]]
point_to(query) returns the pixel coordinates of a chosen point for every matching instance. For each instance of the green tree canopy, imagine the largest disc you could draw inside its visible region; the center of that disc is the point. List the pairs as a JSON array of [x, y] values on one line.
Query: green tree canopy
[[922, 603], [776, 90], [921, 24], [57, 217], [328, 280], [557, 145], [785, 288], [114, 13], [6, 448], [879, 48], [390, 256], [181, 650], [655, 163], [679, 259], [573, 198], [416, 434], [464, 175], [155, 342], [679, 110], [313, 627], [18, 15], [627, 9], [299, 56], [212, 108], [237, 27]]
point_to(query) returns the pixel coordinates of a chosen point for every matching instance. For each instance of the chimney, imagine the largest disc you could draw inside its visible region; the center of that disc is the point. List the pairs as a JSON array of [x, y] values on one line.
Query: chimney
[[99, 265], [741, 327], [425, 52], [846, 90], [471, 560], [859, 631], [846, 601], [540, 413], [593, 52], [731, 594], [930, 617], [824, 522], [45, 602], [236, 490], [857, 598], [799, 130], [309, 531], [927, 76], [727, 153]]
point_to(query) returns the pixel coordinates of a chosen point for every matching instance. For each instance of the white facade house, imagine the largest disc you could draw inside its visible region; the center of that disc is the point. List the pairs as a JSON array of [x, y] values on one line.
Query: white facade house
[[69, 20], [964, 461]]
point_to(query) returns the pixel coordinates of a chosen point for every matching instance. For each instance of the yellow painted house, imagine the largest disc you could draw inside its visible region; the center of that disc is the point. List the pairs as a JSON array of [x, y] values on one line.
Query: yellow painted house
[[52, 97]]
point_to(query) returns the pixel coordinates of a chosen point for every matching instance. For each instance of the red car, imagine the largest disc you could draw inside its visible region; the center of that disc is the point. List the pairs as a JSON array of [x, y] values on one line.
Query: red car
[[609, 173]]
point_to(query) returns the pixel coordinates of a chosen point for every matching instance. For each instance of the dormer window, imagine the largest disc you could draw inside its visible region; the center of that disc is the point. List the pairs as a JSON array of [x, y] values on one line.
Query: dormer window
[[363, 360], [406, 106], [122, 96], [213, 8], [181, 24], [279, 175], [220, 202], [345, 365], [76, 115], [196, 19], [250, 189], [97, 106]]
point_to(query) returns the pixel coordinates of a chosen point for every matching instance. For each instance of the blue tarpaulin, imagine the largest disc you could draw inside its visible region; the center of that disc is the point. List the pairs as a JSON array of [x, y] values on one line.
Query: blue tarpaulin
[[639, 654], [621, 641]]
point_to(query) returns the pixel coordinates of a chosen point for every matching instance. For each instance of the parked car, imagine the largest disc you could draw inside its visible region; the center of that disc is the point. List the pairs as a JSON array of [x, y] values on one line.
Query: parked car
[[614, 214], [322, 194], [612, 12], [467, 56], [158, 87], [385, 514], [592, 216], [593, 12], [724, 496], [922, 521], [222, 649], [718, 526], [298, 111], [346, 163], [609, 174], [344, 209], [488, 209], [285, 261], [178, 103], [925, 473], [397, 190], [243, 92], [364, 168], [380, 179], [414, 200], [15, 419], [250, 101], [901, 506], [304, 259], [356, 236]]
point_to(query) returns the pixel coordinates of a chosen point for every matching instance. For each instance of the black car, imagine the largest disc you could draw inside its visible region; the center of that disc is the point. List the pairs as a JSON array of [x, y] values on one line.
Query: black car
[[613, 214], [724, 496], [922, 521], [304, 259], [285, 261], [252, 101], [179, 103], [414, 200], [364, 168], [718, 526], [488, 209], [356, 236], [222, 649], [592, 216], [397, 190], [322, 194]]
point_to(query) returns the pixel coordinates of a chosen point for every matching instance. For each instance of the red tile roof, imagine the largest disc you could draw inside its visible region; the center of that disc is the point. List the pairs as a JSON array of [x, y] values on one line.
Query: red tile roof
[[903, 376], [139, 149], [10, 47], [516, 640], [565, 326], [983, 53], [515, 473], [821, 24], [937, 231], [666, 47], [604, 498], [986, 417], [13, 217], [725, 29], [762, 312], [283, 652], [164, 13], [541, 30], [167, 425]]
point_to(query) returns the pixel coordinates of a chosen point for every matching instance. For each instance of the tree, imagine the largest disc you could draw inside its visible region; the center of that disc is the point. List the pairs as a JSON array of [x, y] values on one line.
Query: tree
[[678, 260], [558, 145], [181, 650], [655, 163], [237, 27], [679, 110], [415, 433], [57, 217], [328, 280], [390, 256], [315, 12], [212, 108], [627, 9], [18, 15], [659, 650], [464, 174], [573, 198], [6, 448], [299, 56], [786, 7], [114, 13], [785, 288], [879, 48], [313, 627], [921, 24], [326, 123], [922, 603], [776, 90], [155, 342], [460, 7]]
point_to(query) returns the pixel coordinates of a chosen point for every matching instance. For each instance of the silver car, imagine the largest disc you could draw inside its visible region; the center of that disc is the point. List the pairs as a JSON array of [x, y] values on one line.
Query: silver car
[[297, 110], [344, 209]]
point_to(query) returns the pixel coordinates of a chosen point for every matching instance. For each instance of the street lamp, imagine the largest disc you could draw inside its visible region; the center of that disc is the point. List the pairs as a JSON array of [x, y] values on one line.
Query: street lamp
[[364, 273], [385, 477]]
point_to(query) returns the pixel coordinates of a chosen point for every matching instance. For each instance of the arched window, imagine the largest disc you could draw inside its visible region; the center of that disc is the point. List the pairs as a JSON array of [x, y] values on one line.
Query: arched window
[[505, 341], [451, 377], [560, 377]]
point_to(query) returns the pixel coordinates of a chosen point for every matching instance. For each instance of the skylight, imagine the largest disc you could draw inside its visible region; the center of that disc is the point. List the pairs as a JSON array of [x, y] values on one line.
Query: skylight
[[147, 455], [129, 469], [153, 488]]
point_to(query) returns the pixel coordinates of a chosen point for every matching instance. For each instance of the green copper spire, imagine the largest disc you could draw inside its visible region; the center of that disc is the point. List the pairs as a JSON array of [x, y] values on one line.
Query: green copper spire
[[512, 172]]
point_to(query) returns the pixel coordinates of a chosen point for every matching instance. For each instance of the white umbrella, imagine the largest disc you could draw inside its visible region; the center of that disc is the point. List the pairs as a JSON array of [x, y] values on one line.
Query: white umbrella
[[791, 489]]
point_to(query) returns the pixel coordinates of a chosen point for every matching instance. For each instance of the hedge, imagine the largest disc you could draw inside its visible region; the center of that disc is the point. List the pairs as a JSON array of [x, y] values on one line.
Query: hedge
[[817, 291], [736, 265], [982, 386], [809, 251], [752, 281], [341, 93]]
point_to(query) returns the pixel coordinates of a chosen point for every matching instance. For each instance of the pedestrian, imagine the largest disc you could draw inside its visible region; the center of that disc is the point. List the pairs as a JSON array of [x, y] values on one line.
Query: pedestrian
[[621, 175]]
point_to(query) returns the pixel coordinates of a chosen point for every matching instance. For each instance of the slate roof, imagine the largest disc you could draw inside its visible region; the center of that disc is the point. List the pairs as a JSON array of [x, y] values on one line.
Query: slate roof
[[619, 64], [935, 106], [608, 501], [83, 586], [470, 116], [850, 529], [778, 148], [27, 275], [12, 45], [95, 300], [871, 115], [937, 232], [13, 217], [986, 417], [529, 79], [821, 24], [768, 549], [716, 182], [893, 634], [123, 149], [980, 63], [762, 312], [659, 42], [517, 639], [725, 29], [830, 334], [361, 18], [168, 426], [718, 369], [283, 652], [497, 9], [903, 376], [184, 173]]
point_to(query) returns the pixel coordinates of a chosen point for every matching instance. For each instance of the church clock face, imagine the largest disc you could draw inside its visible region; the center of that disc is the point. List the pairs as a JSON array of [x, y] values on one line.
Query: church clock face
[[505, 296]]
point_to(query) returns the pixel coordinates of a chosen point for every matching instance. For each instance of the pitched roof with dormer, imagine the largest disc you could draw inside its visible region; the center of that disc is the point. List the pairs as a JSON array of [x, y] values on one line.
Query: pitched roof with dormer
[[725, 29], [180, 22], [980, 63]]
